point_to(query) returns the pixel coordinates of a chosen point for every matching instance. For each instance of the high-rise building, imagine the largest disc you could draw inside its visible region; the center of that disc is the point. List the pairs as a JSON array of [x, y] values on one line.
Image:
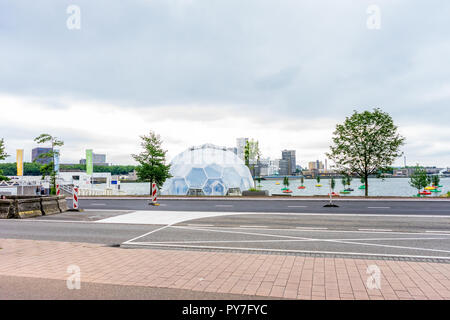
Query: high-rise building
[[36, 152], [240, 146], [289, 156], [97, 159]]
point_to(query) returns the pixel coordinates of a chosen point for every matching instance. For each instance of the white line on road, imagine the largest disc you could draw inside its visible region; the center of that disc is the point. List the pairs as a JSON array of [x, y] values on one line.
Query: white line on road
[[386, 230], [378, 207], [253, 227], [98, 204], [143, 244], [311, 228], [437, 231], [200, 225], [224, 205], [297, 206]]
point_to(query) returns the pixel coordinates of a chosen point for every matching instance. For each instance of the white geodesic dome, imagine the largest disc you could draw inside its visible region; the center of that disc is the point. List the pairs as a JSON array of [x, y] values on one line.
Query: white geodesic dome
[[207, 170]]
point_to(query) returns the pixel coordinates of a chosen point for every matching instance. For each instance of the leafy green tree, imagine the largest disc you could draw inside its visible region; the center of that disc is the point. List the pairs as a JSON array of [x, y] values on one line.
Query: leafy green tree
[[3, 156], [152, 167], [286, 181], [344, 181], [418, 178], [429, 180], [318, 179], [349, 180], [333, 183], [252, 154], [48, 169], [365, 143], [302, 180], [435, 180]]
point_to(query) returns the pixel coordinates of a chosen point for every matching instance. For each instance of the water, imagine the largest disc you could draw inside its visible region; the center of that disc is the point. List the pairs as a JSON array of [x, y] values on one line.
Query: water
[[377, 187]]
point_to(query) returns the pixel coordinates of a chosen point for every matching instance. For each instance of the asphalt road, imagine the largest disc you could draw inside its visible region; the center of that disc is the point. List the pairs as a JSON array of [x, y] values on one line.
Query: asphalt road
[[367, 229], [412, 207]]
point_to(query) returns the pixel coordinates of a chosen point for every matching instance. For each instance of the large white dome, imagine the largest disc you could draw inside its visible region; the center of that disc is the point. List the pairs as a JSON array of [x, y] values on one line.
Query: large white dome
[[207, 170]]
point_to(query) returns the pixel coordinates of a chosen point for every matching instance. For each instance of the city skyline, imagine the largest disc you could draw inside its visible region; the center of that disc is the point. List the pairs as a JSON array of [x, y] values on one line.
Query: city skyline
[[281, 73]]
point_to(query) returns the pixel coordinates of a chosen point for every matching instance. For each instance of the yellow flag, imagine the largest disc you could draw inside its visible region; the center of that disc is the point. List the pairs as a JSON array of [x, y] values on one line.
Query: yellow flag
[[20, 162]]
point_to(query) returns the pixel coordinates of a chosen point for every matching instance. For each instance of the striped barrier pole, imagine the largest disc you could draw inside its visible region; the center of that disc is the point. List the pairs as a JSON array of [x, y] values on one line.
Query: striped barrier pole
[[58, 190], [154, 195], [75, 198]]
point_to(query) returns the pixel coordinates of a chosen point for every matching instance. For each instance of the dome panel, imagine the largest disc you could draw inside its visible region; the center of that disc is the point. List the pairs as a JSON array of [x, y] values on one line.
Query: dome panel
[[213, 171], [196, 178]]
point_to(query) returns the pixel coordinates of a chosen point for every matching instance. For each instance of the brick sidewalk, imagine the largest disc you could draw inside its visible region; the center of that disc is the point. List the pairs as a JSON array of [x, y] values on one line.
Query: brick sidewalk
[[250, 274]]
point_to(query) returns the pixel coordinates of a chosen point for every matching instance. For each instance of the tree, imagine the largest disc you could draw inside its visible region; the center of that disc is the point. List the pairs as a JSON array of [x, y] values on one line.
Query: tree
[[252, 154], [333, 183], [152, 167], [435, 180], [3, 156], [344, 181], [302, 180], [418, 178], [318, 179], [365, 143], [349, 180], [286, 181], [48, 169]]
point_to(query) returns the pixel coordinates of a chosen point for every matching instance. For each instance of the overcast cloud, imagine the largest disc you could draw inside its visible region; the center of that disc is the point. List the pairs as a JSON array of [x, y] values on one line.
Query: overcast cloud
[[282, 72]]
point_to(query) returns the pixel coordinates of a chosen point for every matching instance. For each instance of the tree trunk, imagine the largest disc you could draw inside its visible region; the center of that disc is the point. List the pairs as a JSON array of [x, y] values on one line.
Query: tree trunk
[[366, 183]]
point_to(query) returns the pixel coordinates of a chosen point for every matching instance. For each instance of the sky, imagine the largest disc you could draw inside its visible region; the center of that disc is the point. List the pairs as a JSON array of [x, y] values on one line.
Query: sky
[[210, 71]]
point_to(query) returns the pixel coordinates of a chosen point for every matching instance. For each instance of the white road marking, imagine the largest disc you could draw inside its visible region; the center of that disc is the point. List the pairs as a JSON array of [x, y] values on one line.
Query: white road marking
[[224, 205], [244, 227], [327, 240], [311, 228], [143, 244], [295, 240], [146, 234], [437, 231], [379, 207], [200, 225], [172, 217], [297, 206], [384, 230], [98, 204]]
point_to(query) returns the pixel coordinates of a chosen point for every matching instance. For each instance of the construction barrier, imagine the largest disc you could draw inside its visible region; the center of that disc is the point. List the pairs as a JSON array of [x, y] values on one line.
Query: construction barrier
[[75, 198], [154, 193], [58, 190]]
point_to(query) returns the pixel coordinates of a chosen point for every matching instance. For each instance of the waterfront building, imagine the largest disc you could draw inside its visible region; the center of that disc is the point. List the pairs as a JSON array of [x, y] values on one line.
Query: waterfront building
[[289, 156], [98, 160], [36, 152]]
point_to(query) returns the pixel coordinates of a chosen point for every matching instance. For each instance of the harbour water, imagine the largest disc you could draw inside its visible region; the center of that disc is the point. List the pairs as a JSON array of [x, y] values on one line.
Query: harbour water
[[377, 187]]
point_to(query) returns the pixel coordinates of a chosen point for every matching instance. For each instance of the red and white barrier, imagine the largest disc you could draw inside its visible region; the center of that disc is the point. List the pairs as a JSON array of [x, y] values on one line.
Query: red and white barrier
[[58, 190], [75, 198], [154, 193]]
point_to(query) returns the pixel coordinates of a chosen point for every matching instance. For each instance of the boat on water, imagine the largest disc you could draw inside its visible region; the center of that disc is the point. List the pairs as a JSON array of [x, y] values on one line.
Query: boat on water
[[334, 194], [318, 185], [430, 188], [349, 189], [344, 192], [287, 191], [362, 187], [277, 183], [301, 187], [425, 193]]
